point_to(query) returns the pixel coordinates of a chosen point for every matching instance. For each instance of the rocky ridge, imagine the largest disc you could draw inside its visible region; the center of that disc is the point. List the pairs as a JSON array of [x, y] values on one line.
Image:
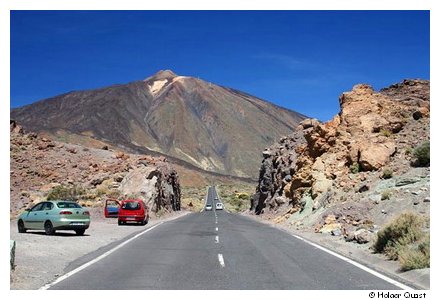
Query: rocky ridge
[[350, 175], [40, 165]]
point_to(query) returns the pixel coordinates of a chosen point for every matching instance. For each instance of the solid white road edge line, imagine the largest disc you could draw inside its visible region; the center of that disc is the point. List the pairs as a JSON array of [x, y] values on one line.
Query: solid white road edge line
[[220, 260], [224, 208], [356, 264], [216, 239], [206, 198], [82, 267]]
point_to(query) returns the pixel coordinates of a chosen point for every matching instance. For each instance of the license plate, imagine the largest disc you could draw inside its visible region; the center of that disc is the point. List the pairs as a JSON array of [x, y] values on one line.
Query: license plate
[[130, 218], [77, 223]]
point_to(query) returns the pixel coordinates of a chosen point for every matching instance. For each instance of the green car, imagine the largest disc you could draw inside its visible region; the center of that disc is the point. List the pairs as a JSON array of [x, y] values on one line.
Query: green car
[[55, 215]]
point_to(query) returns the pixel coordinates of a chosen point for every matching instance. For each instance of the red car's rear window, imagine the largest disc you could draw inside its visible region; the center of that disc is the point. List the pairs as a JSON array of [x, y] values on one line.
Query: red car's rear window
[[131, 205]]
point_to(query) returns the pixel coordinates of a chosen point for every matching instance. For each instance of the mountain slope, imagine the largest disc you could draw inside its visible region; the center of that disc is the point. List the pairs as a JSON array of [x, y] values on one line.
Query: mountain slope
[[212, 127]]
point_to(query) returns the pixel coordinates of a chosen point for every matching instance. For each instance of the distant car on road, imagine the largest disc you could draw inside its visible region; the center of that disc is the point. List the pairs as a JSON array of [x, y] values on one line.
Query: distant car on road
[[218, 206], [51, 216], [216, 198], [208, 207], [133, 210]]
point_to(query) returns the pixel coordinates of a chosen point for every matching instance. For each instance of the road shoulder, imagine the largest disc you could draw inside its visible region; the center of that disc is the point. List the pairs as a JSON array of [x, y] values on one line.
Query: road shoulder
[[419, 279]]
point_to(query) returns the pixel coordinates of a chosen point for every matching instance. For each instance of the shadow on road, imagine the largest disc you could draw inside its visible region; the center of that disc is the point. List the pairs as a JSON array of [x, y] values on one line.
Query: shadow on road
[[66, 234]]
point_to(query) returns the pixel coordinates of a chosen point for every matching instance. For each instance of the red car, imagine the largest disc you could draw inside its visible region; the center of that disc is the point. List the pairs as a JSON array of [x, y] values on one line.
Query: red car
[[133, 210], [130, 210]]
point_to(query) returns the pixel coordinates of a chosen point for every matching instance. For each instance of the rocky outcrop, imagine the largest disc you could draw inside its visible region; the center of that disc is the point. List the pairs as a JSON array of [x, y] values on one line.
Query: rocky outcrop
[[158, 186], [40, 165], [322, 165], [277, 169], [12, 247]]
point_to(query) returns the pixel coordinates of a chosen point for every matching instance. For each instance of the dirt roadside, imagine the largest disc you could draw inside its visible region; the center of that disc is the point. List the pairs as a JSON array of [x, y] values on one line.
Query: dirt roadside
[[419, 279], [40, 259]]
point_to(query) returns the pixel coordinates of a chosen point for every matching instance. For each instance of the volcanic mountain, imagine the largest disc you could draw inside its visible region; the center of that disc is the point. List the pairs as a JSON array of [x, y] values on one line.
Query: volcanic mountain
[[214, 128]]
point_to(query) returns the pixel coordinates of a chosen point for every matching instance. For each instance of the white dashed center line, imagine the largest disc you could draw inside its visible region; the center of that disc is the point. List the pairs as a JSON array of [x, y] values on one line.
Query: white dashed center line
[[221, 261], [216, 239], [216, 229]]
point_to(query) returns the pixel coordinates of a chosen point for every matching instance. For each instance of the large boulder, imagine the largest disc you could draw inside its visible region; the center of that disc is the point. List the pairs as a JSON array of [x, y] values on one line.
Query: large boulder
[[158, 186], [375, 156]]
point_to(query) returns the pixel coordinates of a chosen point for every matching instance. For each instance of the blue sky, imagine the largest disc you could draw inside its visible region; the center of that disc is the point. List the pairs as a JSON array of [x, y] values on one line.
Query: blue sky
[[301, 60]]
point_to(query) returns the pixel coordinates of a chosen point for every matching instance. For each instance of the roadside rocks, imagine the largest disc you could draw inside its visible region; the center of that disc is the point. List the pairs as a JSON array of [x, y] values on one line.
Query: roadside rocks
[[341, 161], [374, 156], [406, 181], [39, 165], [158, 186], [361, 236], [12, 254], [276, 172], [121, 155]]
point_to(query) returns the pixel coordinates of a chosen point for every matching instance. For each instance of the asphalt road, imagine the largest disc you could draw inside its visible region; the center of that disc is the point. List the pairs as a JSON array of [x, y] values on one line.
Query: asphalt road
[[220, 250]]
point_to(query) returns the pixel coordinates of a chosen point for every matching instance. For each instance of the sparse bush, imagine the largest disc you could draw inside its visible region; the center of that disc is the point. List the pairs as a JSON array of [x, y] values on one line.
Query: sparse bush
[[403, 230], [355, 168], [417, 258], [385, 132], [105, 188], [65, 193], [421, 154], [404, 240], [386, 195], [243, 196], [387, 174], [236, 203]]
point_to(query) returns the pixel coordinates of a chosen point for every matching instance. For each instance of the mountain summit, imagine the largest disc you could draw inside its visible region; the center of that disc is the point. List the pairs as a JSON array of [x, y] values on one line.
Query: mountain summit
[[162, 74], [215, 128]]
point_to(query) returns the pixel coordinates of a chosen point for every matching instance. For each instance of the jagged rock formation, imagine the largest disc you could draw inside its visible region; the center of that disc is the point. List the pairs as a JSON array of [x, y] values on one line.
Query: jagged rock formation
[[211, 127], [276, 173], [158, 186], [343, 161], [38, 165]]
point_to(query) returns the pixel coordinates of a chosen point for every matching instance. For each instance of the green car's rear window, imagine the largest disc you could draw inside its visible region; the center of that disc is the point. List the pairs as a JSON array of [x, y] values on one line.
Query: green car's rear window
[[68, 205]]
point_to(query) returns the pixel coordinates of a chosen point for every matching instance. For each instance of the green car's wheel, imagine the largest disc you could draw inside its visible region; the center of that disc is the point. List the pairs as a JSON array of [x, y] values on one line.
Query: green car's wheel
[[48, 228], [80, 231], [21, 228]]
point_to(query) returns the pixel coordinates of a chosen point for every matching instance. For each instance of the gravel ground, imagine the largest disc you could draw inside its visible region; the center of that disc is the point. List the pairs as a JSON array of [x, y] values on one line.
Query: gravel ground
[[40, 258]]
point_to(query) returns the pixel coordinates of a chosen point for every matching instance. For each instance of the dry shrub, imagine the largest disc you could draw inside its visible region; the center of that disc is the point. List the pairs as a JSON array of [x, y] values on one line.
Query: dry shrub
[[404, 239], [417, 258]]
